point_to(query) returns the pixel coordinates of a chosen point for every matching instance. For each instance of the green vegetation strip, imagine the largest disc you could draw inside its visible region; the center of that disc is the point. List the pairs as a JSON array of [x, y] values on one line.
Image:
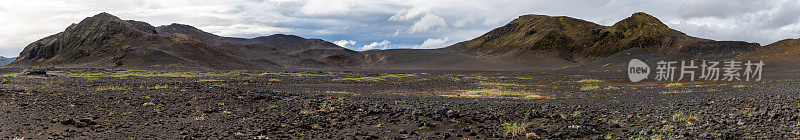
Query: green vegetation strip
[[590, 81], [378, 78], [498, 84], [136, 73]]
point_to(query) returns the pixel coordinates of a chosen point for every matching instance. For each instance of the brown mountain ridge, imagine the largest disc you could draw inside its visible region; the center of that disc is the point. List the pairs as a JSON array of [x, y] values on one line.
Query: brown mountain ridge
[[286, 50], [105, 41], [530, 42], [536, 36], [540, 42]]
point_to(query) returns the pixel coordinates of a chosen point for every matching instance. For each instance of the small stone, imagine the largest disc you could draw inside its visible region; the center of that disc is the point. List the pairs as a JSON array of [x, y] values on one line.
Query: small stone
[[705, 135], [68, 122]]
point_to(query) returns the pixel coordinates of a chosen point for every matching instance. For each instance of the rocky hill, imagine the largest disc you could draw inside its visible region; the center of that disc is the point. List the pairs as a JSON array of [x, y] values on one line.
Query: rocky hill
[[781, 58], [785, 50], [540, 42], [105, 41], [530, 42], [286, 50], [533, 37]]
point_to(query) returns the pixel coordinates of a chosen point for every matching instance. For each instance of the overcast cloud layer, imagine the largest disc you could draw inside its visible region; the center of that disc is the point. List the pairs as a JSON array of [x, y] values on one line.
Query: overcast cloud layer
[[373, 24]]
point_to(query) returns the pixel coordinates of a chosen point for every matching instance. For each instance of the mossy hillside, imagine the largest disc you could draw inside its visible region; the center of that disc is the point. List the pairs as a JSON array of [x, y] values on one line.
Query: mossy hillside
[[104, 40], [99, 35], [640, 30], [533, 36], [531, 31], [788, 49]]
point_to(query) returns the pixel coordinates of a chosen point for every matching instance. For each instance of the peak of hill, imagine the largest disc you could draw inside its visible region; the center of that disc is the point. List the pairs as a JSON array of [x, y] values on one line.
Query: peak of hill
[[99, 19], [530, 37], [535, 37], [185, 29], [106, 41], [641, 20], [642, 28]]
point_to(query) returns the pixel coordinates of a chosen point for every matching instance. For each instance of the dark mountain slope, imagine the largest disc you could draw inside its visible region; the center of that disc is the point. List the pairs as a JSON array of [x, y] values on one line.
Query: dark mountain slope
[[539, 42], [287, 50], [781, 59], [533, 37], [521, 38], [787, 50], [105, 41]]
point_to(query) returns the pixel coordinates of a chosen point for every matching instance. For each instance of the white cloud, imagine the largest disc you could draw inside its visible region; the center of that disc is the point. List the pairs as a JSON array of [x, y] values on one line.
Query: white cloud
[[463, 22], [396, 32], [345, 43], [432, 43], [244, 30], [428, 22], [785, 14], [327, 7], [720, 8], [418, 9], [376, 45], [755, 21]]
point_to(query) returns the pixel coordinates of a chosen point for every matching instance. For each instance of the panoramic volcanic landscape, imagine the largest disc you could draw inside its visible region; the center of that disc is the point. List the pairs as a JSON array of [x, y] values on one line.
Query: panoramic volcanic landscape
[[537, 77]]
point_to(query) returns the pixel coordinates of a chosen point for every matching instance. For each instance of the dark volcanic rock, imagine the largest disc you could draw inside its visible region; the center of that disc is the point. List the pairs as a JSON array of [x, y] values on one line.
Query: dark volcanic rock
[[34, 72]]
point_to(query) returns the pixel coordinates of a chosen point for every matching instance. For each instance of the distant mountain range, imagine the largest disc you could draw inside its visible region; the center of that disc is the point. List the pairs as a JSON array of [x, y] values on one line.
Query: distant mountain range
[[529, 42], [5, 60], [285, 50]]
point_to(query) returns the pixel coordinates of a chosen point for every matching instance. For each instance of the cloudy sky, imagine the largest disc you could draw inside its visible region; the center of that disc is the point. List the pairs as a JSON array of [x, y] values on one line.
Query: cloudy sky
[[374, 24]]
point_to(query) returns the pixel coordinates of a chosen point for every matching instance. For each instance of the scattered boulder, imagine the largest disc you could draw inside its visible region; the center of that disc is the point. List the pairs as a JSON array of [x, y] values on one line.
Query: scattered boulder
[[80, 123], [34, 72]]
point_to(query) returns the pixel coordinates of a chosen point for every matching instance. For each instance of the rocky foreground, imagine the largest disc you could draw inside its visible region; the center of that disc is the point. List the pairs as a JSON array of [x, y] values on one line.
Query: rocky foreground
[[102, 104]]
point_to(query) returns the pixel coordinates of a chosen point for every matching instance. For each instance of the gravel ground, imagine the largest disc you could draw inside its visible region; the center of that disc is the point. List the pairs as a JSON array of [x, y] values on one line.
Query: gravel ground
[[100, 104]]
